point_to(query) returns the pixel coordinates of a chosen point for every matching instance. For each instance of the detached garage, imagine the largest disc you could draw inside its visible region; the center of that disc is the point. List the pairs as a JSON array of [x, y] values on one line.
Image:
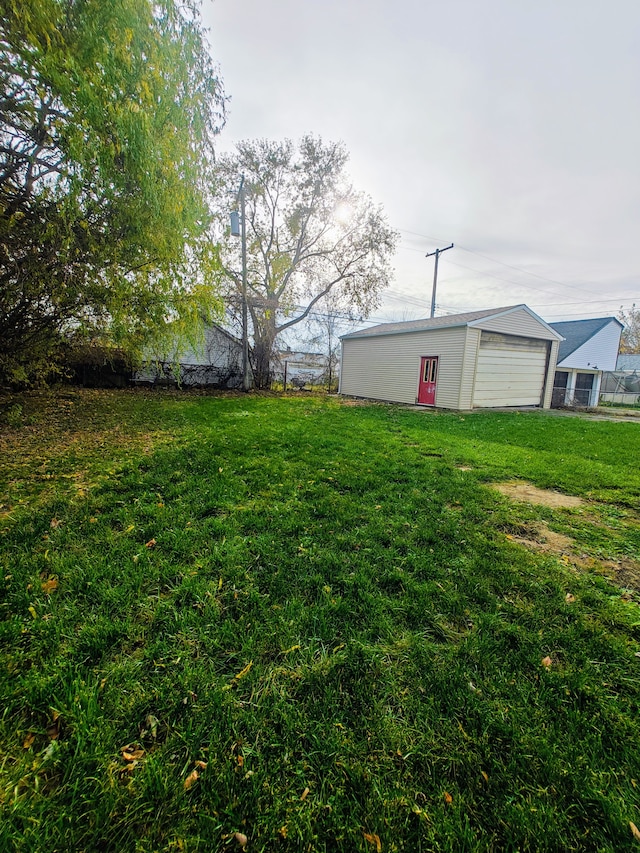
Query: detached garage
[[483, 359]]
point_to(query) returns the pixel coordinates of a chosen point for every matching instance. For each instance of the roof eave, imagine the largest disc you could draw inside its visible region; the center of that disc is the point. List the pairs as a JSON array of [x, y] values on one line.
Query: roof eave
[[400, 331], [521, 307]]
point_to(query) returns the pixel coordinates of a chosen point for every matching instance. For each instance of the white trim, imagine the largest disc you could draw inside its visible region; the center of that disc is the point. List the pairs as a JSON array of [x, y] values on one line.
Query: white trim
[[522, 307], [454, 325]]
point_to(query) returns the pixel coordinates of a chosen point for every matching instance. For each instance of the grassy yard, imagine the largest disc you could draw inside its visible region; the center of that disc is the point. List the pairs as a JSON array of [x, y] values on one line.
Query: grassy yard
[[290, 624]]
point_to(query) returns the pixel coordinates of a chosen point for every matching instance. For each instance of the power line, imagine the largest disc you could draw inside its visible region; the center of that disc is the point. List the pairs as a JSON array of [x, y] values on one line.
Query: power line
[[498, 277], [484, 274], [496, 261], [527, 272], [538, 289], [582, 302]]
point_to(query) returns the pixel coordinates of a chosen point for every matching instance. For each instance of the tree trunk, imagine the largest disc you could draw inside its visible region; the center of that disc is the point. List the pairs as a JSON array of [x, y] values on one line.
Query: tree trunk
[[262, 350]]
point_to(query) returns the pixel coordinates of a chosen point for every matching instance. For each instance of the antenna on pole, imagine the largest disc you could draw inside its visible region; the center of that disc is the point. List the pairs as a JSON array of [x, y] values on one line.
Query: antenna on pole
[[437, 253]]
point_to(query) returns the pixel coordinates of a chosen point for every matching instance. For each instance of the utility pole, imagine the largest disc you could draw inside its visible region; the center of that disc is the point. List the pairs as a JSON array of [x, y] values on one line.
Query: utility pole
[[437, 253], [242, 233]]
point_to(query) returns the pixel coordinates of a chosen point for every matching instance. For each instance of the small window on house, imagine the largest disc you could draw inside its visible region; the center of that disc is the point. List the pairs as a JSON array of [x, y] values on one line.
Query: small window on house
[[434, 368]]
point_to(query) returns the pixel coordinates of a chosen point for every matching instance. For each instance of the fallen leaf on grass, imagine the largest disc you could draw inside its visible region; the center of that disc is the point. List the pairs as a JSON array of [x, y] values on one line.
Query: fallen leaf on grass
[[132, 754], [241, 838], [150, 544], [374, 839], [546, 662], [201, 764], [448, 798], [49, 585], [53, 730], [54, 523], [484, 775], [283, 831], [634, 830], [569, 598], [191, 780], [243, 672], [32, 611], [304, 794], [28, 741]]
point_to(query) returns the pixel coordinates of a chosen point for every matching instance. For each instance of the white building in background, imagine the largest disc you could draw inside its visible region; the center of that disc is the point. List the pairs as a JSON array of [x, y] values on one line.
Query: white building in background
[[298, 368], [589, 348], [217, 362]]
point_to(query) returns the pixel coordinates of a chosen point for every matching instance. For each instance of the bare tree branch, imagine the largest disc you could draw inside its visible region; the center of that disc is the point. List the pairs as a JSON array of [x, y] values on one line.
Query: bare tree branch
[[299, 249]]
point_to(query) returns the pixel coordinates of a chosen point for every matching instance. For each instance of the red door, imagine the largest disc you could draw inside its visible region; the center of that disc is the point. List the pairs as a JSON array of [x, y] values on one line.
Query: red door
[[427, 383]]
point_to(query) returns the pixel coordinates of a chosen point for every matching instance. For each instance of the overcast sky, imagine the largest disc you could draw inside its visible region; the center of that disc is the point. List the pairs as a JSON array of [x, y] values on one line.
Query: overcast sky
[[508, 127]]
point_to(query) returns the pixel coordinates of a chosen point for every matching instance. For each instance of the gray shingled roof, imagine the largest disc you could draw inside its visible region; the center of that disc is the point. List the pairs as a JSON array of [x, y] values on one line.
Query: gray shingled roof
[[577, 332], [433, 323]]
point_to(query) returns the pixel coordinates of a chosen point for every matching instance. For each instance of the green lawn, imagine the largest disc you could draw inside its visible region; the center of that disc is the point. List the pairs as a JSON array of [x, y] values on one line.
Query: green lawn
[[314, 627]]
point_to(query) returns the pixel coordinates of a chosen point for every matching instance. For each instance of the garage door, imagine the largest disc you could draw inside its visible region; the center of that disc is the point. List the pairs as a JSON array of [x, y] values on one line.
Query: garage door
[[510, 371]]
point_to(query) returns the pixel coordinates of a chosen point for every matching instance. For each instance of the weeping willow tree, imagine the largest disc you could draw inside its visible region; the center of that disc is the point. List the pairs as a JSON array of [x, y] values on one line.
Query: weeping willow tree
[[107, 115]]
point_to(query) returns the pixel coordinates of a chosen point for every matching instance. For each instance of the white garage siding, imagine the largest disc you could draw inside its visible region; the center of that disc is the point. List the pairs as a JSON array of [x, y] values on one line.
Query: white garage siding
[[514, 366], [469, 368], [510, 371], [516, 321], [387, 367]]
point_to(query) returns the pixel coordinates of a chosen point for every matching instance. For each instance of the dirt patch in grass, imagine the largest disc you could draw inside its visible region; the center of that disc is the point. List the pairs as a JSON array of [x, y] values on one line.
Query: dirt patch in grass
[[623, 571], [528, 493], [539, 537]]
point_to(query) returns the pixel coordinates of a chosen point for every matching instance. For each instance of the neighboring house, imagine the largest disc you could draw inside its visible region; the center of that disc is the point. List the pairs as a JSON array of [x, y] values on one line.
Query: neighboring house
[[300, 368], [589, 348], [217, 362], [492, 358]]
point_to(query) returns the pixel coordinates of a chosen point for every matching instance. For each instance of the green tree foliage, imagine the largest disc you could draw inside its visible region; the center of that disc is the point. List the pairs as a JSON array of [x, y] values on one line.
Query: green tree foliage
[[309, 233], [630, 340], [107, 113]]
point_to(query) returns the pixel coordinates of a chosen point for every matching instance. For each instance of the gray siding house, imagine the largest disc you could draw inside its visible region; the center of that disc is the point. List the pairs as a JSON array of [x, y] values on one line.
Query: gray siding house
[[482, 359], [589, 348], [216, 362]]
